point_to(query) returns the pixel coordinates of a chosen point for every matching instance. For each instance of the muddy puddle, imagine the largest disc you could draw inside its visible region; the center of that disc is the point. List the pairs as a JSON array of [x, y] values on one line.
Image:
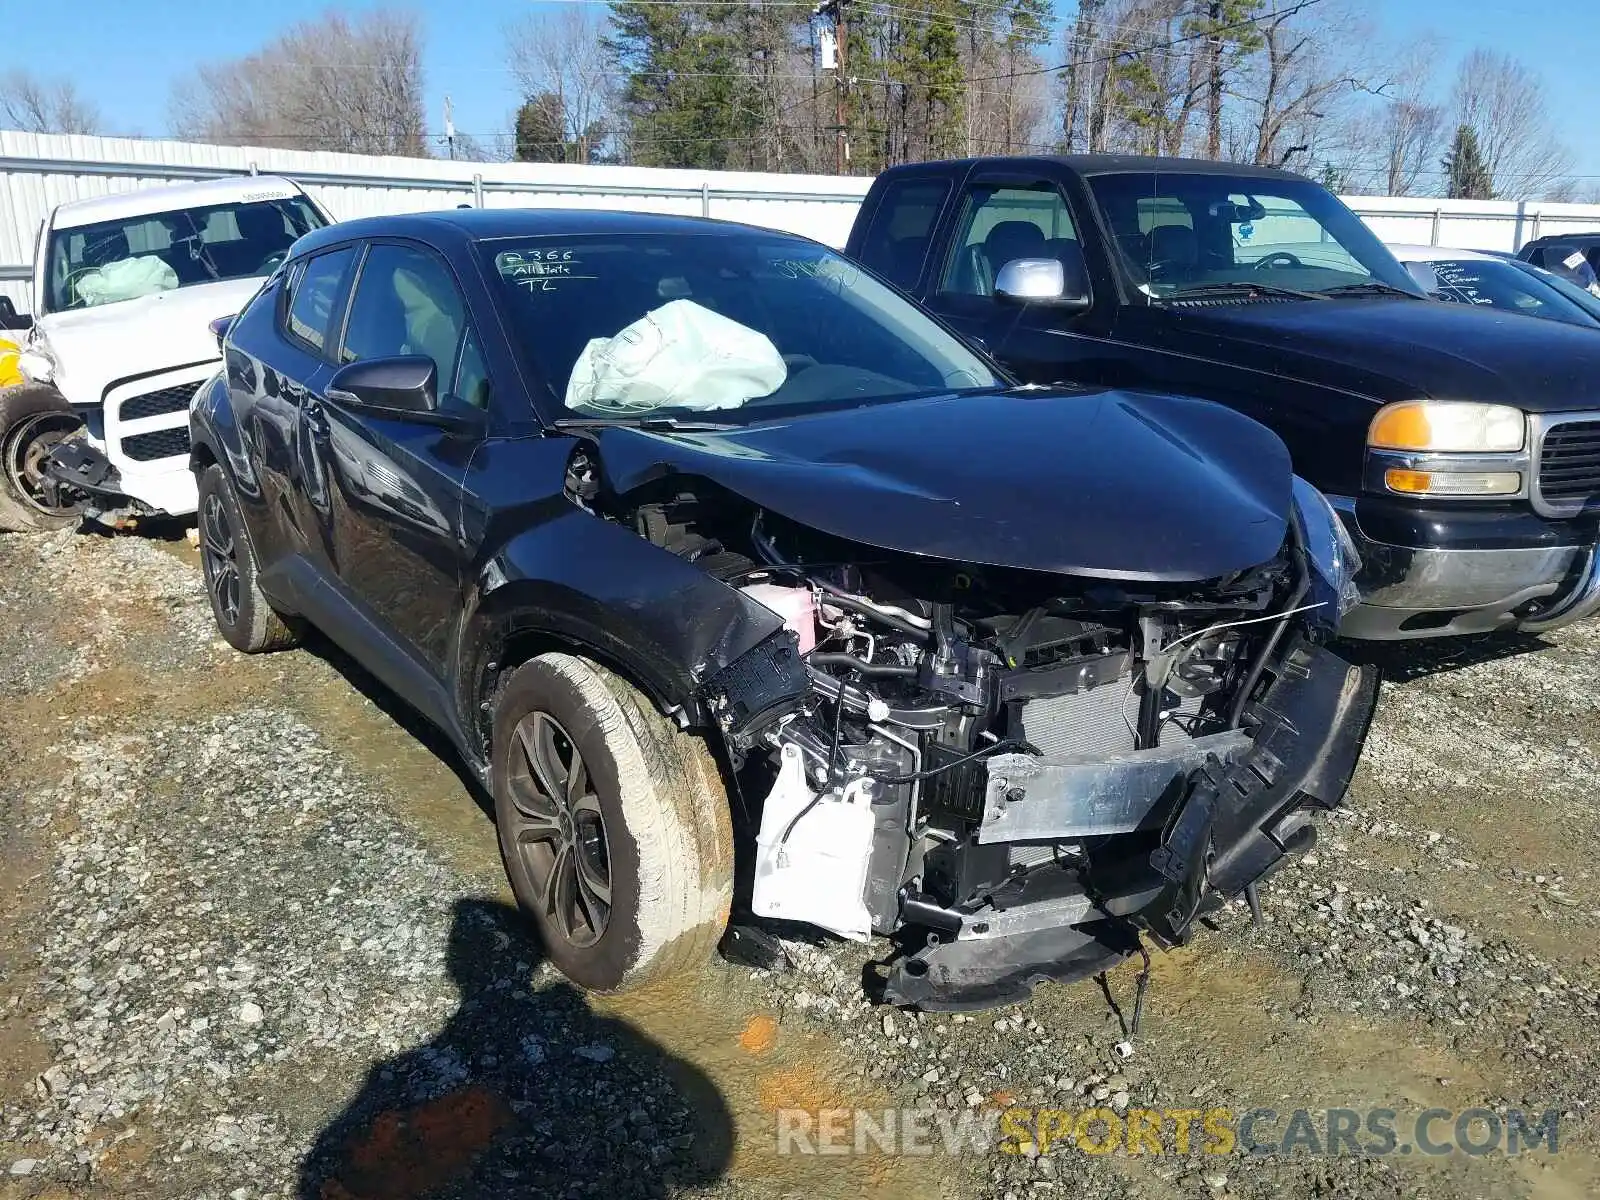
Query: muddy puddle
[[756, 1062]]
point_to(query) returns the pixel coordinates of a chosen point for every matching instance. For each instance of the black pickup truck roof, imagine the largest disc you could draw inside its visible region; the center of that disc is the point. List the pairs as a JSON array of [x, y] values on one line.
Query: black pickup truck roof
[[1106, 164]]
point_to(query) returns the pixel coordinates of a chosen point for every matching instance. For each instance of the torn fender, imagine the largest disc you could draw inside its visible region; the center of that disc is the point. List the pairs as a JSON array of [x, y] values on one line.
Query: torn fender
[[601, 588]]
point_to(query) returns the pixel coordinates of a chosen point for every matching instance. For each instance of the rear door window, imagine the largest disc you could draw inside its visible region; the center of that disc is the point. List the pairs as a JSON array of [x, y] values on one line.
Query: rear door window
[[312, 310], [897, 241]]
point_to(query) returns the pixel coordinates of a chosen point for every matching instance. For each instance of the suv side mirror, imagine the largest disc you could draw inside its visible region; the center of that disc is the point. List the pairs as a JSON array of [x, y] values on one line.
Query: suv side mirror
[[1038, 281], [10, 318], [219, 329], [404, 388]]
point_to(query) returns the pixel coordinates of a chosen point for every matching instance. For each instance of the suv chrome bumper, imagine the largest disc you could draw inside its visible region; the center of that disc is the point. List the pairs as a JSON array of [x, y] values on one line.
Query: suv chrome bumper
[[1419, 593]]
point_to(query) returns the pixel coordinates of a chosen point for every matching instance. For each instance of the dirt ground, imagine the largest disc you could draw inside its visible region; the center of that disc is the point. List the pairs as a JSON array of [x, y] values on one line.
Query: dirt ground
[[257, 944]]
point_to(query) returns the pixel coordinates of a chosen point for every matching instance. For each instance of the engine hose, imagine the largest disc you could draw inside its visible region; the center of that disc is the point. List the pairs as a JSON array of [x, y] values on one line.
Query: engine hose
[[982, 752], [1253, 676], [861, 666], [900, 625]]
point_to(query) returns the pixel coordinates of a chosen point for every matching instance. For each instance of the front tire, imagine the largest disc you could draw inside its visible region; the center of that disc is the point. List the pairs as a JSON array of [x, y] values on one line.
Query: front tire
[[33, 420], [243, 615], [613, 826]]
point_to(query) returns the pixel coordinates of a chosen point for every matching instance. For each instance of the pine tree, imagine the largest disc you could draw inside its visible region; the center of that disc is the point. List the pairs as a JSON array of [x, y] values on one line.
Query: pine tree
[[540, 126], [1466, 174], [689, 92]]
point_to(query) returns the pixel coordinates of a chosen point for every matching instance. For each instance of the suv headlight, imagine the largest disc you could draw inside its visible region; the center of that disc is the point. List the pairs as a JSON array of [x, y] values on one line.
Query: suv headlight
[[1332, 551], [1444, 448]]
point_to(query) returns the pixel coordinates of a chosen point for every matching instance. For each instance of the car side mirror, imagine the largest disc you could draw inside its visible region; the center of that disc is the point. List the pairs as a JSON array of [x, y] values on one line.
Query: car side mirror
[[219, 329], [404, 388], [10, 318], [1423, 272], [1038, 281]]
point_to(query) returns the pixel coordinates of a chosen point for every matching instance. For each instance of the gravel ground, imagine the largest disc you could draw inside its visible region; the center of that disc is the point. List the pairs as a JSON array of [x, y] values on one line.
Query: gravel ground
[[260, 946]]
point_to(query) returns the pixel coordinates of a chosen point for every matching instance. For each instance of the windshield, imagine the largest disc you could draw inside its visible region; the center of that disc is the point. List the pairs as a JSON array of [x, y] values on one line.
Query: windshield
[[1183, 232], [1504, 286], [675, 325], [88, 265]]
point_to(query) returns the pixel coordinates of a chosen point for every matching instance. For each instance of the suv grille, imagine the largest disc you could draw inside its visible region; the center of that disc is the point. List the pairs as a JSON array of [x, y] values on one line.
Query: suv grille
[[163, 443], [1569, 463], [158, 403]]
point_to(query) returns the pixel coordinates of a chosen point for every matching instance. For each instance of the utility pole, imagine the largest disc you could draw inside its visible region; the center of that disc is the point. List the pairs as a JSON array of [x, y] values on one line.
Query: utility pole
[[449, 128], [841, 33], [834, 55]]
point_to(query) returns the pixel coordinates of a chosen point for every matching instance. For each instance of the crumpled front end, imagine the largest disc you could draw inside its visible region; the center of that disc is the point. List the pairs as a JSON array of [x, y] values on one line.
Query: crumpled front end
[[1017, 775]]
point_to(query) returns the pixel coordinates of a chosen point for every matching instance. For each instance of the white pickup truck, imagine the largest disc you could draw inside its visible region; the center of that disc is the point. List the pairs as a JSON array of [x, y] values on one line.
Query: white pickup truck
[[125, 291]]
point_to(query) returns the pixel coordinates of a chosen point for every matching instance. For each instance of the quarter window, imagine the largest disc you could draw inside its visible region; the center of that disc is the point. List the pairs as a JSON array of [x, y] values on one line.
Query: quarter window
[[405, 303], [472, 377], [1001, 224], [315, 290]]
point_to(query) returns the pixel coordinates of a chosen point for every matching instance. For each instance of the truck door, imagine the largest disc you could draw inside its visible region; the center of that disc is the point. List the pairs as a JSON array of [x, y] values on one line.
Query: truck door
[[1000, 218]]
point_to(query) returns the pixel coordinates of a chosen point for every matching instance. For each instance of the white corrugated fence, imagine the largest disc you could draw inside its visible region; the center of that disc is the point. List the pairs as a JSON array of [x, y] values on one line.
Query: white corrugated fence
[[39, 171]]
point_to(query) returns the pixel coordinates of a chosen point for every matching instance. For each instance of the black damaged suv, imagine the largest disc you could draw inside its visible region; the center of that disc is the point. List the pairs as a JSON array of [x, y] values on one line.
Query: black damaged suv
[[705, 546]]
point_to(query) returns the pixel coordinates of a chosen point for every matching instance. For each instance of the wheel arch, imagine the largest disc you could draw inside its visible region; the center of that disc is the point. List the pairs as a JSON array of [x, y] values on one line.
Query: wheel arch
[[592, 587]]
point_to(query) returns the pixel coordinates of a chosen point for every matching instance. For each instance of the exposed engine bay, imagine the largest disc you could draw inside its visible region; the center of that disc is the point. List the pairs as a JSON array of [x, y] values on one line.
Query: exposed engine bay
[[1016, 774]]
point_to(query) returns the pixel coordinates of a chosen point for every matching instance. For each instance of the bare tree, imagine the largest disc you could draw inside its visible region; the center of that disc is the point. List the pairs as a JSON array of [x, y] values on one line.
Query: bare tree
[[336, 83], [1503, 102], [35, 105], [1311, 67], [559, 54]]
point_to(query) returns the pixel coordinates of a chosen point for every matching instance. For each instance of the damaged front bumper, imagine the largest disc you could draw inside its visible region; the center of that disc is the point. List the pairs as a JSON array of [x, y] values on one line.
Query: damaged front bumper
[[80, 472], [1170, 833]]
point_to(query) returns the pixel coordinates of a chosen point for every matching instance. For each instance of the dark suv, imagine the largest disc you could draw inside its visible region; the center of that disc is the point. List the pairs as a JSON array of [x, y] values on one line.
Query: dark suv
[[704, 546], [1572, 256]]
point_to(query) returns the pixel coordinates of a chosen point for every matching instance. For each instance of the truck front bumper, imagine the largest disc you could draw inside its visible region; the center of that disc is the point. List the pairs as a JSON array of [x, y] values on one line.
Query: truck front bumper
[[1425, 592]]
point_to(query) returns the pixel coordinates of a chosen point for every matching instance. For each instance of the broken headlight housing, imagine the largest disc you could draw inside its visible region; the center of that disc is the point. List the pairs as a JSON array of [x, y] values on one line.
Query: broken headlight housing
[[1332, 552]]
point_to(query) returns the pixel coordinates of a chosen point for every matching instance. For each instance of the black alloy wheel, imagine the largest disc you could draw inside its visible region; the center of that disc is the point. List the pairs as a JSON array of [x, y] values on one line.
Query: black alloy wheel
[[220, 554], [560, 832]]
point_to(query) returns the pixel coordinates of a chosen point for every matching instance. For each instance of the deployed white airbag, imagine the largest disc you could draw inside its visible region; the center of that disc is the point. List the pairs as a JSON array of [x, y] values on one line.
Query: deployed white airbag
[[127, 279], [681, 355]]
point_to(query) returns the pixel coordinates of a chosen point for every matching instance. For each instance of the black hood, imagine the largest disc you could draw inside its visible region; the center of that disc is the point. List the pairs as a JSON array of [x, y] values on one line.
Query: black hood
[[1390, 349], [1117, 485]]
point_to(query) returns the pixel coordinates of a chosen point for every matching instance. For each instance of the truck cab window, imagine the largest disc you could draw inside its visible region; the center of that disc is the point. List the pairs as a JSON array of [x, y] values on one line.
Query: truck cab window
[[1001, 224], [897, 242]]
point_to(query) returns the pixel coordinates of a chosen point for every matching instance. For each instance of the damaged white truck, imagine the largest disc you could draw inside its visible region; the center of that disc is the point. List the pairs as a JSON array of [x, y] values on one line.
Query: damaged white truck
[[125, 290]]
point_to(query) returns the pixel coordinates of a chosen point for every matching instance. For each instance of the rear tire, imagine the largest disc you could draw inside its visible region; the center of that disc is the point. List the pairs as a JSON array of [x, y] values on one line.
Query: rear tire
[[613, 826], [33, 419], [243, 615]]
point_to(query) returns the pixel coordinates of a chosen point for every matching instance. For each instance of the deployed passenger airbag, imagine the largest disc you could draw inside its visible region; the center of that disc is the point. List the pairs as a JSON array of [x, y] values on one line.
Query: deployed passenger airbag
[[681, 355]]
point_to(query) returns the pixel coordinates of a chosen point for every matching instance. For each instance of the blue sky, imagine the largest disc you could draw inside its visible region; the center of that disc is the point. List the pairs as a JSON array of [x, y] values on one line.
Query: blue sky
[[139, 47]]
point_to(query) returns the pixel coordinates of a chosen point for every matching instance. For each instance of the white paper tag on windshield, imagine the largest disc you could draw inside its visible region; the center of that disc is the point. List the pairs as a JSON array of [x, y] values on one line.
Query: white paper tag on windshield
[[1573, 261]]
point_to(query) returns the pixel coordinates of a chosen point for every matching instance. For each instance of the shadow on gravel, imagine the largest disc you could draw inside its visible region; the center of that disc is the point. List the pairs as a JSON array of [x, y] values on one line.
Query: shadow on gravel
[[521, 1094], [1402, 662]]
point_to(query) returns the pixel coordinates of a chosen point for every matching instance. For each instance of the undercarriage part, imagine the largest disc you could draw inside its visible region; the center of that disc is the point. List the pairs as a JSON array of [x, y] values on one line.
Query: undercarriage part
[[79, 467], [984, 973]]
